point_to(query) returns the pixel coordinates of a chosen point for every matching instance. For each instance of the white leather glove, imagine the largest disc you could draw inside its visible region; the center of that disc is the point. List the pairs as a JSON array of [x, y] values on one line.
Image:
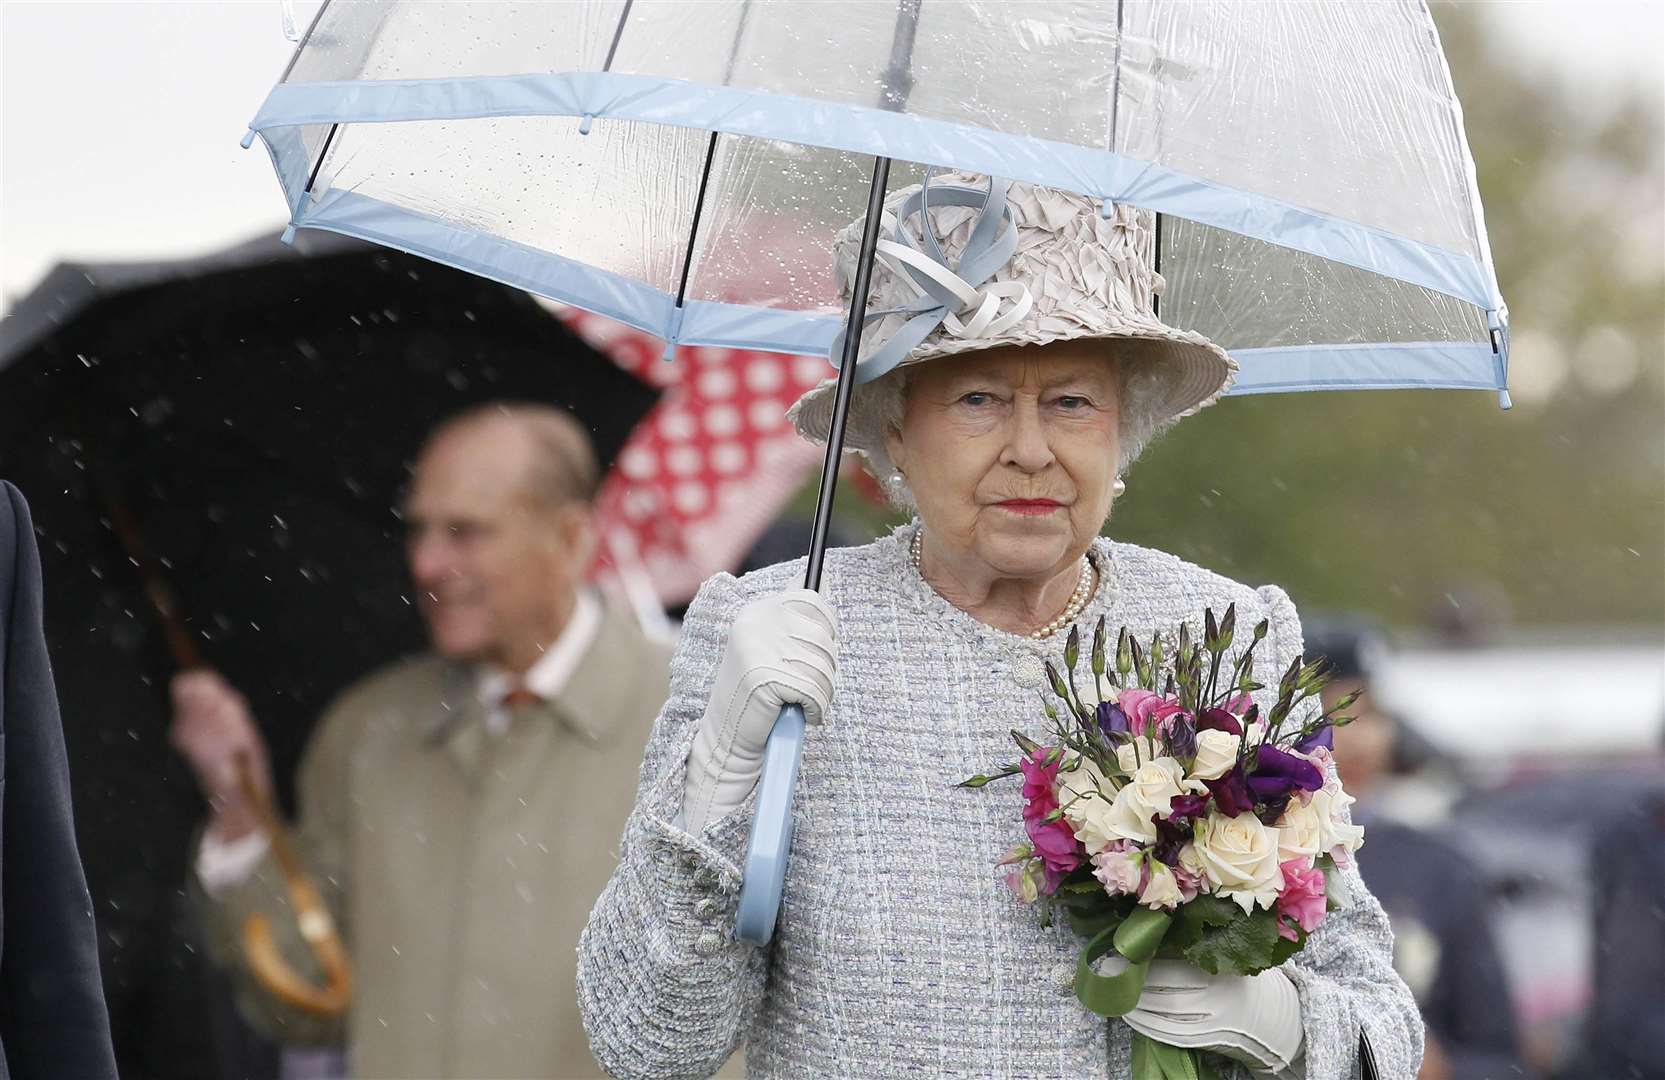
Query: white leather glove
[[782, 650], [1254, 1019]]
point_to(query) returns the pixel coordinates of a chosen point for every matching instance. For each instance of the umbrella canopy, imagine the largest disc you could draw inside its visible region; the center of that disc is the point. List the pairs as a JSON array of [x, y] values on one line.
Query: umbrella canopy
[[684, 167], [687, 167], [326, 365], [253, 412]]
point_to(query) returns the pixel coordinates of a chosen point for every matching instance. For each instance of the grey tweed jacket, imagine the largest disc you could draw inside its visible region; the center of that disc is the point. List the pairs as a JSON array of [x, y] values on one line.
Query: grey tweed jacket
[[898, 950]]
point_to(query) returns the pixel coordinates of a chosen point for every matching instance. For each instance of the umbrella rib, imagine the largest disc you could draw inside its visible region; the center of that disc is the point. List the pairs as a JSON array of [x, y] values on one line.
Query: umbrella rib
[[847, 371], [1116, 81], [618, 32], [693, 229], [1156, 266], [319, 164]]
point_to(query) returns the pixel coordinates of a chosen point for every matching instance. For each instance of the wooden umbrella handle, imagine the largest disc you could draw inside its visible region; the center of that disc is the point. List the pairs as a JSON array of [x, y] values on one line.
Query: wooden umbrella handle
[[312, 917]]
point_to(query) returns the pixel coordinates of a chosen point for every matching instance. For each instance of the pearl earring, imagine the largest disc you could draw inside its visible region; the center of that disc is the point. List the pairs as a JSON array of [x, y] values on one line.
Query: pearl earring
[[1118, 488]]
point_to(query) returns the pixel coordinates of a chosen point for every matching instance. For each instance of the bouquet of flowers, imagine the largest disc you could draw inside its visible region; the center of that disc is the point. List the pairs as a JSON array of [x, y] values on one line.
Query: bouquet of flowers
[[1167, 816]]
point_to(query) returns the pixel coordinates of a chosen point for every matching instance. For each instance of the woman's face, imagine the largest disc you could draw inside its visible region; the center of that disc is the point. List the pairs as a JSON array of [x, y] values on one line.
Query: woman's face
[[1011, 453]]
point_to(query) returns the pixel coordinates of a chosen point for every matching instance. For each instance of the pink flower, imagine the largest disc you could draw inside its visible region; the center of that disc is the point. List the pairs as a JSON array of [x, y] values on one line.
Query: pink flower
[[1119, 871], [1148, 712], [1189, 884], [1239, 705], [1057, 847], [1302, 899], [1040, 783]]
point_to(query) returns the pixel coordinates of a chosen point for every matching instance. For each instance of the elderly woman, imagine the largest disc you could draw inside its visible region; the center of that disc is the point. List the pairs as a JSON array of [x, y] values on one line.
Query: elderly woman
[[1008, 425]]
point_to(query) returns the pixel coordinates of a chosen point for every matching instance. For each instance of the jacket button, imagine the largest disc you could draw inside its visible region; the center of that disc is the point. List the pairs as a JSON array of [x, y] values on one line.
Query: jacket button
[[1063, 978], [707, 909], [708, 943]]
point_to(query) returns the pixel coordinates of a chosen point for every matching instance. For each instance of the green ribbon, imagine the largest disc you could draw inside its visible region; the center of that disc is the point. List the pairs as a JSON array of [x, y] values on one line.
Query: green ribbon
[[1153, 1060], [1136, 939]]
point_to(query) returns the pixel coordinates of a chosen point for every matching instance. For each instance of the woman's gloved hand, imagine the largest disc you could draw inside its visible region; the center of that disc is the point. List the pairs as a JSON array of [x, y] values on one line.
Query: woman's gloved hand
[[782, 650], [1255, 1019]]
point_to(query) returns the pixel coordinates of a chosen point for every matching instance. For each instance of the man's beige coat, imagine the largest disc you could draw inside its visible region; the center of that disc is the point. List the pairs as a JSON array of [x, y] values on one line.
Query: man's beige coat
[[460, 865]]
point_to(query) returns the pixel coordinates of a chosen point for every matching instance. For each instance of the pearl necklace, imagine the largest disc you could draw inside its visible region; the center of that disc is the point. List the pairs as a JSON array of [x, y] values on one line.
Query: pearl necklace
[[1084, 586]]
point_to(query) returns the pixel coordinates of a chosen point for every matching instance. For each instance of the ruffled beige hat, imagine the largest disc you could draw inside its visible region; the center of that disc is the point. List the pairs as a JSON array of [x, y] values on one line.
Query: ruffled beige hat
[[967, 263]]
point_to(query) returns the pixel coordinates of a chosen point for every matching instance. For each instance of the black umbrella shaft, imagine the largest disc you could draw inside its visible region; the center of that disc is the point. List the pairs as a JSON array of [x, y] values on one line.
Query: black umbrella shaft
[[847, 371]]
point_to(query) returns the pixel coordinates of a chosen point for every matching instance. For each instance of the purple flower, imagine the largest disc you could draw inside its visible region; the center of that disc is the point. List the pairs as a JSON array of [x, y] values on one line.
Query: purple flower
[[1112, 720], [1322, 735], [1182, 736], [1175, 833], [1183, 808], [1231, 793], [1278, 772], [1218, 720]]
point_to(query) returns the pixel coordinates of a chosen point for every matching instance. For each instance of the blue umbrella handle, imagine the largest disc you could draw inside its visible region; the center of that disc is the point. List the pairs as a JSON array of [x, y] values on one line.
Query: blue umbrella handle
[[771, 837]]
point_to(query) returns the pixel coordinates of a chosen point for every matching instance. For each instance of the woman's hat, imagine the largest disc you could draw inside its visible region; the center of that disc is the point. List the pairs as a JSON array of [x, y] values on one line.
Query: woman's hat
[[966, 263]]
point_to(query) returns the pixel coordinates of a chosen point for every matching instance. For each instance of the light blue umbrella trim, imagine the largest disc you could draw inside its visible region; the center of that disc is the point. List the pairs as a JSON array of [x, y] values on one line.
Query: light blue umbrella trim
[[1398, 365], [1100, 173], [1431, 364], [702, 322]]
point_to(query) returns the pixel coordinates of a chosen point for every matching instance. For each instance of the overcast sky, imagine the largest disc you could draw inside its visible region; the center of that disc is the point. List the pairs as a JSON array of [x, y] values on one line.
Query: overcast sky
[[119, 121]]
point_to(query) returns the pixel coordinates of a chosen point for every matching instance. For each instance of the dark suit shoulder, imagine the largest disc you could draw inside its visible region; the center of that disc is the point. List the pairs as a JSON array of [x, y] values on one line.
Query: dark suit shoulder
[[13, 508]]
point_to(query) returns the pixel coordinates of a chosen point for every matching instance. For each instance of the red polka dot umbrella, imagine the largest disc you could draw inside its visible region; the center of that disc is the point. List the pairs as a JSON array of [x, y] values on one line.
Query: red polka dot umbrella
[[707, 470]]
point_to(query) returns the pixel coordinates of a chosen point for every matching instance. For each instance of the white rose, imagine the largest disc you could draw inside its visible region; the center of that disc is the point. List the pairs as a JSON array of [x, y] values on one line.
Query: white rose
[[1148, 751], [1239, 857], [1162, 890], [1147, 795], [1300, 833], [1085, 794], [1336, 836], [1216, 754]]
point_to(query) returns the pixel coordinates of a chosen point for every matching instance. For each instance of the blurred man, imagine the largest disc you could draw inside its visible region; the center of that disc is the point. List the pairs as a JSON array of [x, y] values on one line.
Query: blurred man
[[52, 1019], [459, 810], [1443, 944]]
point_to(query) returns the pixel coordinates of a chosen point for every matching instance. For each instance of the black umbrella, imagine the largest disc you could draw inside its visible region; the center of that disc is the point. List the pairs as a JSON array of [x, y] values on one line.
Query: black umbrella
[[252, 414]]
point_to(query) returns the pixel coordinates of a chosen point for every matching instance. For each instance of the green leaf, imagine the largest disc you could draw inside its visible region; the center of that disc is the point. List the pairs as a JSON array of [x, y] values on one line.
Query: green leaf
[[1201, 913], [1245, 946], [1088, 924]]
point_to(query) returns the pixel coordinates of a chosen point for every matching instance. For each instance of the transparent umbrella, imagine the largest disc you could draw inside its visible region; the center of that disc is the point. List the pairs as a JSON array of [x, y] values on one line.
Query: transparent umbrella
[[685, 167]]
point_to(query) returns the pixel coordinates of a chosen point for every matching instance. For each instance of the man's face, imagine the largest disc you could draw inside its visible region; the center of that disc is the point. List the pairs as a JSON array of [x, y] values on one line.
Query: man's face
[[495, 569]]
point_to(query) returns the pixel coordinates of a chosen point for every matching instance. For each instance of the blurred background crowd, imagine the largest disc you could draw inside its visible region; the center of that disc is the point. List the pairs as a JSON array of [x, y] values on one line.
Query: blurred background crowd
[[1494, 580]]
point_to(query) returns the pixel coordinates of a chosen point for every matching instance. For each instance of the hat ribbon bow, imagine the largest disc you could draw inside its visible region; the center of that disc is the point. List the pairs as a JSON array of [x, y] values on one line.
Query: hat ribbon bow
[[959, 298]]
